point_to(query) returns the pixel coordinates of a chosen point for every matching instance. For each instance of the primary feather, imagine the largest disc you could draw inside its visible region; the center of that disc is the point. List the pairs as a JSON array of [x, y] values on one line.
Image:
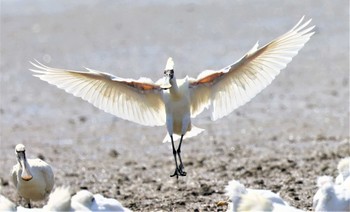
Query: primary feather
[[227, 89]]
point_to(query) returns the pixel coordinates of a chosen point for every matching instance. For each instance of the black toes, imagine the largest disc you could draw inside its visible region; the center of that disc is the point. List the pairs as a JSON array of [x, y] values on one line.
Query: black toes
[[178, 172], [175, 174]]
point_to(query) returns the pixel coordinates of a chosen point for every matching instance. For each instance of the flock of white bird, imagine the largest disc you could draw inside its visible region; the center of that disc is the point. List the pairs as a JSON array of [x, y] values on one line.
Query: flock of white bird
[[34, 181]]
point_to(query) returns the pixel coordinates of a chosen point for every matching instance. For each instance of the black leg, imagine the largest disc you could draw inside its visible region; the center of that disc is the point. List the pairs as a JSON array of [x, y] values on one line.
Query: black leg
[[174, 153], [181, 167], [29, 205]]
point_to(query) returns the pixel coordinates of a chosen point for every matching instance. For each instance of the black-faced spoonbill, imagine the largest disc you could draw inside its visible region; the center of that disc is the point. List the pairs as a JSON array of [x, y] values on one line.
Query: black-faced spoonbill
[[84, 200], [174, 102], [33, 178], [235, 191], [255, 201]]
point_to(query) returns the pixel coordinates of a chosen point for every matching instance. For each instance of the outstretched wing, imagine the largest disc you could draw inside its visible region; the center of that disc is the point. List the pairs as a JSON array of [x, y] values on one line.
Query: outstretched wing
[[233, 86], [138, 101]]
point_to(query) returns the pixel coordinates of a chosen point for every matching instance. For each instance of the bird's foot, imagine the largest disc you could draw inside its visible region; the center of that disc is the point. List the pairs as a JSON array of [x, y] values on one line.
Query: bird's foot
[[178, 172], [181, 170]]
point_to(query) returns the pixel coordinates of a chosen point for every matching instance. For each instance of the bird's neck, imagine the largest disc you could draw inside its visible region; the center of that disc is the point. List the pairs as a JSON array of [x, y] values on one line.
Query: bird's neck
[[174, 90]]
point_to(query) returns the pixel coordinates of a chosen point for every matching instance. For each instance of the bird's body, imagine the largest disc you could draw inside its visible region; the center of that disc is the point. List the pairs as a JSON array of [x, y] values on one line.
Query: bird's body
[[256, 201], [102, 203], [177, 108], [174, 102], [177, 102], [33, 178]]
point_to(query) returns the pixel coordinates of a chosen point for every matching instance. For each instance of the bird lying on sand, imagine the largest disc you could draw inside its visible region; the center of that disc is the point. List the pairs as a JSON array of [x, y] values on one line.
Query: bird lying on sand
[[174, 101], [84, 200], [59, 200], [235, 191], [255, 201], [33, 178]]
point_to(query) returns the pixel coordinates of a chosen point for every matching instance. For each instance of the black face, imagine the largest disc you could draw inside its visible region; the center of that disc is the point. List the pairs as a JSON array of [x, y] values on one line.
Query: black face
[[169, 73], [19, 153]]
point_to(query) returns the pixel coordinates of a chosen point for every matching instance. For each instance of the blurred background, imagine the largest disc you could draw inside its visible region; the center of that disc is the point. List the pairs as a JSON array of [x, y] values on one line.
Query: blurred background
[[306, 107]]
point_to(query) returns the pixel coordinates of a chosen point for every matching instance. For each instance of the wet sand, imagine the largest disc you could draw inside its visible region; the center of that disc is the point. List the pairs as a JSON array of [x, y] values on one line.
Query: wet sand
[[292, 132]]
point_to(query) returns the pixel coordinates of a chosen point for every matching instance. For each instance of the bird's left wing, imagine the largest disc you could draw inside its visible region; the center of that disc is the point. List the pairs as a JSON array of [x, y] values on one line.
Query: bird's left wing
[[233, 86], [138, 101]]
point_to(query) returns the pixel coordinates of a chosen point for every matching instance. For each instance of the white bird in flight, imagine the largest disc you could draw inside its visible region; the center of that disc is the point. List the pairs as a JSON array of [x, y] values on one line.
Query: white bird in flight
[[174, 101], [33, 178]]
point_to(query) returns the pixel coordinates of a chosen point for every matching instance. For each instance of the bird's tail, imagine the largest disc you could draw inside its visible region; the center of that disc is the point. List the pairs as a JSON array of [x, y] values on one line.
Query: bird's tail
[[193, 132]]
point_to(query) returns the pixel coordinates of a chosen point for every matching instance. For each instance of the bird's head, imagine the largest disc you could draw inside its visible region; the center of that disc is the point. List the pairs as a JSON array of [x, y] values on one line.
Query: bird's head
[[168, 74], [21, 157]]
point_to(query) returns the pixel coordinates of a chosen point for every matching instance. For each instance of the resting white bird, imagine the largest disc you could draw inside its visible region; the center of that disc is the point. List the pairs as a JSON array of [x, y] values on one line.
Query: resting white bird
[[174, 101], [86, 201], [235, 191], [255, 201], [344, 171], [331, 197], [82, 200], [102, 203], [59, 200], [33, 178]]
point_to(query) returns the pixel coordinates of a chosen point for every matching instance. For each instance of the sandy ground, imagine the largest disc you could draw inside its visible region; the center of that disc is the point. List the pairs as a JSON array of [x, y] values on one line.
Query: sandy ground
[[292, 132]]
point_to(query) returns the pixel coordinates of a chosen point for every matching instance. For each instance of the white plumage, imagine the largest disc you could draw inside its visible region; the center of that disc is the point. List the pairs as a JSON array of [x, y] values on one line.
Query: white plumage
[[59, 200], [33, 178], [235, 191], [343, 170], [82, 200], [256, 201], [174, 102], [331, 197]]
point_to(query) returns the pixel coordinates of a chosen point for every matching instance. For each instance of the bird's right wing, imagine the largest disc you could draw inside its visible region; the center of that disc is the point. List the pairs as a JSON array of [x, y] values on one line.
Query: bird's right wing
[[138, 101], [14, 174], [227, 89]]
